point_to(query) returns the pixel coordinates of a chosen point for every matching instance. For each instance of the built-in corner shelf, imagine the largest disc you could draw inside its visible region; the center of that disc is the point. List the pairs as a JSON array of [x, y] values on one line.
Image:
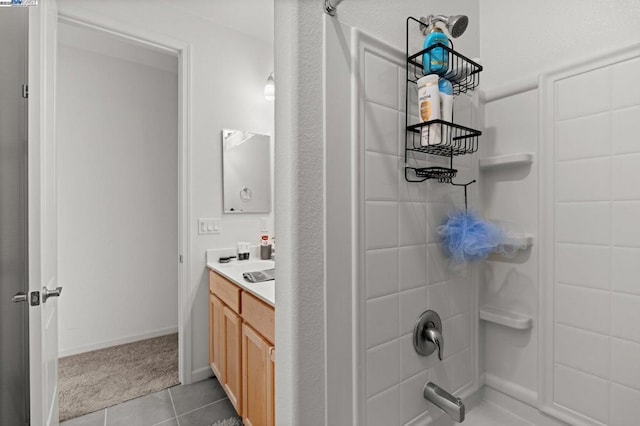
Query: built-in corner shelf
[[509, 160], [507, 319], [519, 240]]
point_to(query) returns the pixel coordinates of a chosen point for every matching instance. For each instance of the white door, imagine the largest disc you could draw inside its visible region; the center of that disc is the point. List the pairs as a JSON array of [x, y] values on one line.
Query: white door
[[43, 313]]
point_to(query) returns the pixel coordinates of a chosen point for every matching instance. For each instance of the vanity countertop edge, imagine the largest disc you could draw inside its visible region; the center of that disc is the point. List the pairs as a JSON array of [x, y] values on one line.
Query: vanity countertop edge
[[265, 291]]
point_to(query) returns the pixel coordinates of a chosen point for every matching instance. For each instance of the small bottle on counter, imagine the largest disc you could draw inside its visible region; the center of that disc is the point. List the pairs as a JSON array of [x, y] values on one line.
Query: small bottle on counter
[[265, 247], [243, 251]]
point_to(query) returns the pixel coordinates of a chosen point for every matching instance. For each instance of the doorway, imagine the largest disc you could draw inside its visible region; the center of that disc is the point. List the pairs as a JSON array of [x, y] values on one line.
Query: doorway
[[118, 217]]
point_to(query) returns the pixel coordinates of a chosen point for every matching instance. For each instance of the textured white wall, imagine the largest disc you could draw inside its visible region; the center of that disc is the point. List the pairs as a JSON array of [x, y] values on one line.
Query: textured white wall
[[228, 76], [518, 39], [299, 183], [386, 20], [117, 197]]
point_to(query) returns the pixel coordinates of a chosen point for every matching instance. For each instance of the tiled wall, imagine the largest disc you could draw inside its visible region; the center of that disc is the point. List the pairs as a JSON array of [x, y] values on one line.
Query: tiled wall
[[405, 270], [596, 292]]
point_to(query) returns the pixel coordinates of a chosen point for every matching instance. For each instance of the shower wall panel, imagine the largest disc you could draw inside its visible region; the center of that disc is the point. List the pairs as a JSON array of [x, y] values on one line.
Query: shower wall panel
[[591, 204], [404, 270]]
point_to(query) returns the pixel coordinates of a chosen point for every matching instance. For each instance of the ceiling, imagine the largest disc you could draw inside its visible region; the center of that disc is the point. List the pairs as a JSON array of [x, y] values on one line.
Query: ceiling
[[251, 17]]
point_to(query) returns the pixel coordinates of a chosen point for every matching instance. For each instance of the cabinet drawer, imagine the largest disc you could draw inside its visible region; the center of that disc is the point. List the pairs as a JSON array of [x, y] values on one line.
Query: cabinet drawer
[[226, 291], [260, 315]]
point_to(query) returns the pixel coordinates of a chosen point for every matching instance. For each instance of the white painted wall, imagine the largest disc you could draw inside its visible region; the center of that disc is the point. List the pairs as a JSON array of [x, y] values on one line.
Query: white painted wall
[[117, 195], [314, 298], [520, 39], [229, 70]]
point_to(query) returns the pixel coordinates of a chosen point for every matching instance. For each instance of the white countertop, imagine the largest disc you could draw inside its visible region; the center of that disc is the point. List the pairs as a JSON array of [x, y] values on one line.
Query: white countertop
[[233, 271]]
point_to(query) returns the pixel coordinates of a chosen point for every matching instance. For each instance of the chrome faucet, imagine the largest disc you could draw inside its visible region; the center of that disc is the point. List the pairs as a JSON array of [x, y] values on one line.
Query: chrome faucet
[[451, 405], [427, 334]]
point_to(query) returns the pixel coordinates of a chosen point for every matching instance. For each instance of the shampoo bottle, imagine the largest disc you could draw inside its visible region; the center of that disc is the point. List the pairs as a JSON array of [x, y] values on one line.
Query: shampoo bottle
[[437, 59], [429, 107]]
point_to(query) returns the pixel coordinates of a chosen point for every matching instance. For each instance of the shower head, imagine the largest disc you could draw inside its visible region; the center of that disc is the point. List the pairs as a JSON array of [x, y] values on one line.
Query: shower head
[[456, 24]]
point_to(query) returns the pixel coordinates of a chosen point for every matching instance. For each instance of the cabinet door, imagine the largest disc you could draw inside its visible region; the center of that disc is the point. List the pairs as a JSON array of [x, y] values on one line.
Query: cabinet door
[[271, 388], [255, 364], [233, 357], [216, 337]]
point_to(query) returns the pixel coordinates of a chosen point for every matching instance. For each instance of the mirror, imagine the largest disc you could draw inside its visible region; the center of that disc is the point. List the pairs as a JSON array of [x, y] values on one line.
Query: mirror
[[246, 166]]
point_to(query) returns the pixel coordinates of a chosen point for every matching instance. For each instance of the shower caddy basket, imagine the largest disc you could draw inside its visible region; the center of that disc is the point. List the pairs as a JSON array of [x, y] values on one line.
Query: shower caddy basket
[[464, 75]]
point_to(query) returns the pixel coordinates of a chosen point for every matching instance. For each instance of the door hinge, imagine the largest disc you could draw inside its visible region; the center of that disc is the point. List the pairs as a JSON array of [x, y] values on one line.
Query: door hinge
[[25, 91], [34, 298], [180, 258]]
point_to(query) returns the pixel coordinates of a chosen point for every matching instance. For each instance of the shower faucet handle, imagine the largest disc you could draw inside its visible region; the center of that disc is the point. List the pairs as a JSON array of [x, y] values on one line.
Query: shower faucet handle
[[427, 334], [434, 336]]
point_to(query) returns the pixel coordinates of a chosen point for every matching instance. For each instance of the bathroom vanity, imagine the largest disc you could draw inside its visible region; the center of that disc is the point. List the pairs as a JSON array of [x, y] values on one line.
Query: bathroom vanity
[[242, 337]]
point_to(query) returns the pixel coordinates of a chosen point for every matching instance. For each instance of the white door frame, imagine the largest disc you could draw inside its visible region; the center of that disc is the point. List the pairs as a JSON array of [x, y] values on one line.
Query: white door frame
[[161, 42]]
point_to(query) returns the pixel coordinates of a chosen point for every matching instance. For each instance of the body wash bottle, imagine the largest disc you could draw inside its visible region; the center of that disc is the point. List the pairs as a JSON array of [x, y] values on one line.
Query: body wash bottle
[[446, 106], [437, 59]]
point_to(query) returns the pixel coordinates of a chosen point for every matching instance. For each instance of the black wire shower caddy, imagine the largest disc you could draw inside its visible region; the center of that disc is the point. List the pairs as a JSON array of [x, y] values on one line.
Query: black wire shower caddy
[[452, 139]]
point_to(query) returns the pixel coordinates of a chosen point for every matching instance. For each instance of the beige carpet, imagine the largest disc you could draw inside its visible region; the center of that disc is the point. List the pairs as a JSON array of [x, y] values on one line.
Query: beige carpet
[[95, 380]]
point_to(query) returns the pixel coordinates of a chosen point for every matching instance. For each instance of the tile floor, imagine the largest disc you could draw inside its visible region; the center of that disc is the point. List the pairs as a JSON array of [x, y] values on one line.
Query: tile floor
[[198, 404]]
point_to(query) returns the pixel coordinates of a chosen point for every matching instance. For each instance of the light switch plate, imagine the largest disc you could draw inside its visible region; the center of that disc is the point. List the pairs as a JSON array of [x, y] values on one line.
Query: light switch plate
[[209, 226]]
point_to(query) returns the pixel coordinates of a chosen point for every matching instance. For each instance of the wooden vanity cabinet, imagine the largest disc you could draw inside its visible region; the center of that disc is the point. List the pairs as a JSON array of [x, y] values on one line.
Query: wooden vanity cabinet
[[241, 350], [225, 348], [232, 357], [216, 335], [255, 363]]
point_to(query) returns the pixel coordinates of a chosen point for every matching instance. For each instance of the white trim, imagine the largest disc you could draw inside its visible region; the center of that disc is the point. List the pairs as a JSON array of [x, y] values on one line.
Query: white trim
[[361, 42], [546, 141], [532, 81], [514, 320], [514, 390], [119, 341], [518, 408], [507, 160], [185, 333], [509, 89], [162, 42], [545, 231], [340, 264], [201, 374]]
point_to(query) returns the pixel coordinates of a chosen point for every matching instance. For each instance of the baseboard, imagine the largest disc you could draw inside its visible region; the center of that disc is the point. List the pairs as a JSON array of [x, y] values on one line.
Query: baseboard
[[116, 342], [201, 374]]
